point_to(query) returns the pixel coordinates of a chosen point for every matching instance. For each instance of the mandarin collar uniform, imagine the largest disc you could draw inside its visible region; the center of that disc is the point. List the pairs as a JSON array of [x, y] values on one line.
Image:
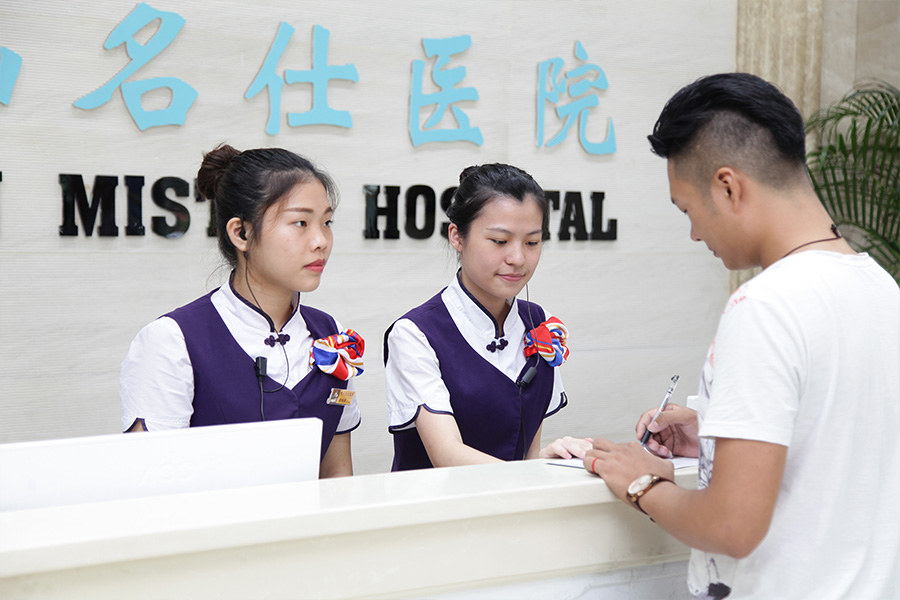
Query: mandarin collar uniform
[[157, 379], [412, 372]]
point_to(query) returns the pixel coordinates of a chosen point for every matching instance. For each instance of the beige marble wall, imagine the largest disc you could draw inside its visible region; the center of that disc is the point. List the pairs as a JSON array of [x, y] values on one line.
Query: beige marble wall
[[860, 41], [781, 41], [816, 50]]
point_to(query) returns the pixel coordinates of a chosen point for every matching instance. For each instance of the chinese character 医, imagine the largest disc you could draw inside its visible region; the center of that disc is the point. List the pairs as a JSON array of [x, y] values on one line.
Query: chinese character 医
[[446, 79]]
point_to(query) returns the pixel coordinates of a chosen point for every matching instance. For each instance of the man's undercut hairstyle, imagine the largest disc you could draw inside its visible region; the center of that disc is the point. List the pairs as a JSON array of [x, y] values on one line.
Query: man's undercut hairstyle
[[732, 120]]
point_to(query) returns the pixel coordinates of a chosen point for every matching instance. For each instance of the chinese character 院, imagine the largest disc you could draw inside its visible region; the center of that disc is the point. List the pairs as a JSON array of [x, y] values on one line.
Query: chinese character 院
[[318, 76], [446, 80], [183, 95], [579, 87]]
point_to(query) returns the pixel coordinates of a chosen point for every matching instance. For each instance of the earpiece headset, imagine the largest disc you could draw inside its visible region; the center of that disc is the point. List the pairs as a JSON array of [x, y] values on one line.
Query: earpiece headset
[[260, 363]]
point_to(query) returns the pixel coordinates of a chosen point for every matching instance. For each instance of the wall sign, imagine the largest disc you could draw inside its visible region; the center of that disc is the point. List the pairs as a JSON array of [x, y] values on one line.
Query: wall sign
[[382, 219], [581, 85]]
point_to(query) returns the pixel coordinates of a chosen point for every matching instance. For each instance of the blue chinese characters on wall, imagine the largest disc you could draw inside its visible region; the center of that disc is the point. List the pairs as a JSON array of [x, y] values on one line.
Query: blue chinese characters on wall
[[10, 65], [449, 94], [580, 87], [435, 114], [319, 76], [183, 95]]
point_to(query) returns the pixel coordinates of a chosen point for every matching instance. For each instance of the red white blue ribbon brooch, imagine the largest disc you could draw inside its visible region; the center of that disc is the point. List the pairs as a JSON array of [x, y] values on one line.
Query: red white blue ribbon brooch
[[339, 355], [549, 340]]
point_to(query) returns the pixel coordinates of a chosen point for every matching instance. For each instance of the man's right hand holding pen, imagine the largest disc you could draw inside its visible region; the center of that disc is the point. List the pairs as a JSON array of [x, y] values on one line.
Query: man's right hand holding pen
[[673, 434]]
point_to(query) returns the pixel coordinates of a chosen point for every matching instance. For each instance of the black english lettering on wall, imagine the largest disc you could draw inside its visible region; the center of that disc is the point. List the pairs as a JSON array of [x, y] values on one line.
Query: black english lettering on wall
[[552, 197], [389, 212], [103, 199], [182, 216], [572, 220], [135, 185], [446, 199], [412, 203], [211, 226], [597, 231], [572, 216], [420, 206]]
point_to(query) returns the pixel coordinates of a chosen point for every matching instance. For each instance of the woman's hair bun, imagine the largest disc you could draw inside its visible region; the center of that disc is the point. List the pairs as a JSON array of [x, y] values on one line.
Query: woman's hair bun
[[215, 163], [468, 171]]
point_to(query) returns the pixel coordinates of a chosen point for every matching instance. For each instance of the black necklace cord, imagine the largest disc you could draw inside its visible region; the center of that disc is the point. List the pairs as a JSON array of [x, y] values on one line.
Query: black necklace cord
[[836, 235]]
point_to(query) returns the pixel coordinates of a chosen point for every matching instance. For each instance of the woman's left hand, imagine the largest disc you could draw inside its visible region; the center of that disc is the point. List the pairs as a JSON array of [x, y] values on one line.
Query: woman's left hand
[[567, 447]]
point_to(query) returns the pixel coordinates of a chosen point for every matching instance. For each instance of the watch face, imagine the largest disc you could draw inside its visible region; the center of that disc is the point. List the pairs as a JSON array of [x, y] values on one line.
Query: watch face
[[639, 484]]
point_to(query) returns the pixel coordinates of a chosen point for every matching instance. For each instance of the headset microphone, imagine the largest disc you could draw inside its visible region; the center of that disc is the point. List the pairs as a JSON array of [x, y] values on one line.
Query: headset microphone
[[527, 377], [521, 383], [259, 366]]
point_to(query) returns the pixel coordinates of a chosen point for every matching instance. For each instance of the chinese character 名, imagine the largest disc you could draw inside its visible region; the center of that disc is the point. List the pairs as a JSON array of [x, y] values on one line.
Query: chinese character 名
[[10, 65], [549, 72], [446, 79], [183, 95], [318, 76]]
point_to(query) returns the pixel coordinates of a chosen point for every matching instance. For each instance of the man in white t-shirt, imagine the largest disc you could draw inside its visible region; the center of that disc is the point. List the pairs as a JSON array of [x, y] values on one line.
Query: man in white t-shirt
[[797, 418]]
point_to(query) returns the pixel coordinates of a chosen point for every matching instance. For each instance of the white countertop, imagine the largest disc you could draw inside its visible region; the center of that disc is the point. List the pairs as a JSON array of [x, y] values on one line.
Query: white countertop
[[105, 533]]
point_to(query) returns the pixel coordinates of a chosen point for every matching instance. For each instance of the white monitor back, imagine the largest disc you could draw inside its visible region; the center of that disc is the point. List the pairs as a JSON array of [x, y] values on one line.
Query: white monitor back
[[136, 465]]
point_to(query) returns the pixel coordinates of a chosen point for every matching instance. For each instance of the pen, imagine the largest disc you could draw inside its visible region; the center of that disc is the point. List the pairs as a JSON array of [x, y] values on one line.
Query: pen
[[661, 408]]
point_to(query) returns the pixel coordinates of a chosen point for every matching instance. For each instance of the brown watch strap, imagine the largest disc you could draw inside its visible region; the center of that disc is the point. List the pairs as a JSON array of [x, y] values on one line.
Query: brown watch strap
[[636, 498]]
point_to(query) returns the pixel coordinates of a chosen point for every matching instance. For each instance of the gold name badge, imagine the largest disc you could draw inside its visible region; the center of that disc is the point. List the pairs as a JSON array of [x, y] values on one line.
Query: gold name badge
[[343, 397]]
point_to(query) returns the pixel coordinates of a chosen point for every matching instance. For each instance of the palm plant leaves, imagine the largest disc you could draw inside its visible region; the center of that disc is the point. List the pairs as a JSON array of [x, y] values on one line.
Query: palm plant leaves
[[856, 169]]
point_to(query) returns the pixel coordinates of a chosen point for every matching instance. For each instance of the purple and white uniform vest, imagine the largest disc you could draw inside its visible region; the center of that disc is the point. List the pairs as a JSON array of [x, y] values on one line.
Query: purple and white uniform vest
[[495, 415], [226, 389]]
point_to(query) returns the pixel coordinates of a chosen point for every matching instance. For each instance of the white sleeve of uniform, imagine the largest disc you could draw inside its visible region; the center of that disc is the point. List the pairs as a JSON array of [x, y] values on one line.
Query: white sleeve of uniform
[[350, 417], [757, 375], [558, 400], [412, 376], [156, 382]]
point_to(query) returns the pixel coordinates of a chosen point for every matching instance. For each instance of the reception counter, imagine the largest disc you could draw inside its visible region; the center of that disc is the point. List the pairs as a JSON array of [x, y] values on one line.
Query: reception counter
[[440, 533]]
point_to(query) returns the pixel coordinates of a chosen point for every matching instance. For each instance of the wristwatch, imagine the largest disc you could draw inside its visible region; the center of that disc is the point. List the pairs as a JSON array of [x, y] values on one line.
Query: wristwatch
[[641, 486]]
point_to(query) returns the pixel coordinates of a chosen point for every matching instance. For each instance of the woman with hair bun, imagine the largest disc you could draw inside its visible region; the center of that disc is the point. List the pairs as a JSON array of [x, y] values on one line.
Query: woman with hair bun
[[250, 351], [481, 363]]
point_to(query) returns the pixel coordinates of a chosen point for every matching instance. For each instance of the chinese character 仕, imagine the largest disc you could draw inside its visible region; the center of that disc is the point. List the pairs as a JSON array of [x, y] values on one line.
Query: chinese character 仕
[[10, 65], [446, 79], [549, 72], [319, 76], [183, 95]]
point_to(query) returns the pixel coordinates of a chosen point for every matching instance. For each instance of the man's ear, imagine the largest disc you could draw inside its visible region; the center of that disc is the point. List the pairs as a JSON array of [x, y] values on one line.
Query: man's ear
[[454, 237], [239, 233], [728, 188]]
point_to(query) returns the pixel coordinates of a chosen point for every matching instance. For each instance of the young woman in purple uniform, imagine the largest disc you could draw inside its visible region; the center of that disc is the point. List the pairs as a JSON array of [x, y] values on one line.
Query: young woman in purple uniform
[[472, 373], [250, 351]]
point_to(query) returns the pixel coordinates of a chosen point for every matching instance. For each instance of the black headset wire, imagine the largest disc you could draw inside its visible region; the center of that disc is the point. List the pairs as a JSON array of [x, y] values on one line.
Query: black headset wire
[[260, 364], [525, 380]]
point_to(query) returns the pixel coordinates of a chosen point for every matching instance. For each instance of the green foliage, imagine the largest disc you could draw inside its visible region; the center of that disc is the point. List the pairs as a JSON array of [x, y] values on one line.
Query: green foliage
[[856, 169]]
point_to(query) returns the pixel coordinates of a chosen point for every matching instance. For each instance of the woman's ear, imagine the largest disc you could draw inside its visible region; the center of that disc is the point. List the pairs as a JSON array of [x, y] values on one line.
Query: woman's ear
[[238, 232], [454, 237]]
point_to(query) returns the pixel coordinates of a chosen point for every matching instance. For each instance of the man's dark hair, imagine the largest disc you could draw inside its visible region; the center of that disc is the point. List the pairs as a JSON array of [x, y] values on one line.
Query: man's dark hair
[[732, 119]]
